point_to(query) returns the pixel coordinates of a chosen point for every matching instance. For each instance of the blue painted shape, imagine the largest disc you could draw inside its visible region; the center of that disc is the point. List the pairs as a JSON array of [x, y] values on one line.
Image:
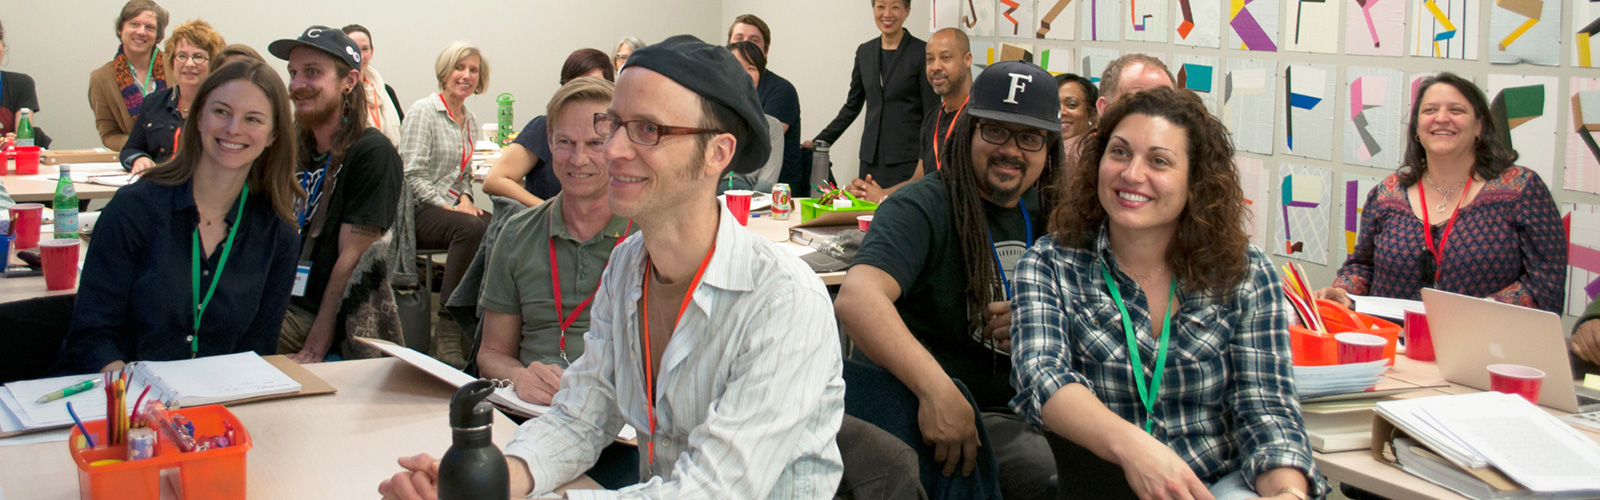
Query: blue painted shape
[[1303, 101], [1199, 77]]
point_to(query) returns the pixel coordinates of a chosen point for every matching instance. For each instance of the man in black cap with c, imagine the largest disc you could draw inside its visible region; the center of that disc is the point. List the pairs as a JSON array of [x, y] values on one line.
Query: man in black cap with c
[[719, 347], [927, 296], [352, 178]]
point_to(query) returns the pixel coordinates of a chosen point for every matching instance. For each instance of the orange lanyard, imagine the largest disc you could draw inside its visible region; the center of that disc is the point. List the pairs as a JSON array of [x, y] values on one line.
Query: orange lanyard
[[466, 137], [563, 320], [938, 144], [372, 104], [1427, 227], [649, 373]]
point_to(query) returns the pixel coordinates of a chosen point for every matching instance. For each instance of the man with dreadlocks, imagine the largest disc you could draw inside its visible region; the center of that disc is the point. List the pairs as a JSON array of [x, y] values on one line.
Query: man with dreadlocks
[[926, 298], [351, 175]]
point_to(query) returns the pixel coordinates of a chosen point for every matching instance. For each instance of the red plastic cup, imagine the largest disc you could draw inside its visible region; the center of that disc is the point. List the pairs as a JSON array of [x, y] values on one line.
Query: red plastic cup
[[1516, 379], [739, 204], [5, 161], [1419, 340], [1360, 347], [864, 222], [25, 221], [27, 160], [60, 259]]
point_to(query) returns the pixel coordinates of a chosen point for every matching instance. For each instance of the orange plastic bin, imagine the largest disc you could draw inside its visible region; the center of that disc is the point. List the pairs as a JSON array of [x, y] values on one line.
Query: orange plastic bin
[[215, 474], [1318, 349]]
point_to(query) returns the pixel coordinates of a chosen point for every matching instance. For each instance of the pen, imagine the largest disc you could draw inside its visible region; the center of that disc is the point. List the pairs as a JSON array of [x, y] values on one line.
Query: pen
[[69, 390], [81, 428]]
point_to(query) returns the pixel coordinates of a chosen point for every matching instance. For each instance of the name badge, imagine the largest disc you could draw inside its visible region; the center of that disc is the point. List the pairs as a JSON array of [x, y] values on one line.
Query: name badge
[[302, 274]]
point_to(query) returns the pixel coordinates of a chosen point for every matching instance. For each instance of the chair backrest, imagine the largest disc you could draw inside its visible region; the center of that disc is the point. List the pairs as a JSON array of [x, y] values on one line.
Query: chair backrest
[[876, 396], [32, 335], [1082, 474]]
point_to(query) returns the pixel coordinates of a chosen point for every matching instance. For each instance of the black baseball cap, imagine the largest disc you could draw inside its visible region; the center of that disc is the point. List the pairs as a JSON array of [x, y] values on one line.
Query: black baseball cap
[[713, 73], [329, 40], [1019, 93]]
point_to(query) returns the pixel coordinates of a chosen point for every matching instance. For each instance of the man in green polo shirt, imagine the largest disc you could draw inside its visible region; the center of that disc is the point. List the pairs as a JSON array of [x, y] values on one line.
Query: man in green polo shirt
[[547, 263]]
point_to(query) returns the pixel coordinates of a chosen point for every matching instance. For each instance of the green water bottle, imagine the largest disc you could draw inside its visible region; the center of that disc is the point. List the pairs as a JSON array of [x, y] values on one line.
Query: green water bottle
[[504, 133], [24, 128], [66, 205]]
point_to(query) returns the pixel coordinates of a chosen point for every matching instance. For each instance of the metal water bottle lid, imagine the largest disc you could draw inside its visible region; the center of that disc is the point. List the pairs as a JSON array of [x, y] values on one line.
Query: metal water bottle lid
[[820, 145]]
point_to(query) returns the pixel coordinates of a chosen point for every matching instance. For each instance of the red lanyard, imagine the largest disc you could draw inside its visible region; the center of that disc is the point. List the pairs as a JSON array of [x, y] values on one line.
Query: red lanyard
[[466, 136], [649, 373], [938, 144], [1427, 227], [564, 320]]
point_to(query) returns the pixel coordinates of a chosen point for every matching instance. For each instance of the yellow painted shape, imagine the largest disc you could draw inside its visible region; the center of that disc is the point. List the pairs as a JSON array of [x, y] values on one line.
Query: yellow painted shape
[[1517, 33], [1583, 51]]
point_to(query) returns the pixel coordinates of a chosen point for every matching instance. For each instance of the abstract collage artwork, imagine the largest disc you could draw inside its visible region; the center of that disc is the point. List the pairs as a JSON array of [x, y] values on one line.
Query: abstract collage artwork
[[1247, 103], [1147, 21], [1445, 29], [1016, 18], [1583, 255], [1583, 147], [1102, 21], [1094, 62], [1199, 73], [1253, 179], [1375, 27], [1253, 24], [1056, 60], [1199, 25], [1525, 31], [1309, 27], [1524, 110], [1585, 32], [1058, 19], [1355, 191], [1308, 112], [977, 17], [1303, 204], [1372, 134]]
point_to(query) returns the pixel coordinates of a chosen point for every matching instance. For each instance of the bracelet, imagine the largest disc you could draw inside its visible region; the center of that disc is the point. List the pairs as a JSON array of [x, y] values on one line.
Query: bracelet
[[1297, 492]]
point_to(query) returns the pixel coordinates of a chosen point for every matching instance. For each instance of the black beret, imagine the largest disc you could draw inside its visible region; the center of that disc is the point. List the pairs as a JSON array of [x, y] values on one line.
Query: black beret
[[713, 73]]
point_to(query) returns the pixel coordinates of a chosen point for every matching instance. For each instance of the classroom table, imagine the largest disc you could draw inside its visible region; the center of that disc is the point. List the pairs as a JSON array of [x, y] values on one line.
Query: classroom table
[[33, 189], [30, 287], [330, 446], [778, 231]]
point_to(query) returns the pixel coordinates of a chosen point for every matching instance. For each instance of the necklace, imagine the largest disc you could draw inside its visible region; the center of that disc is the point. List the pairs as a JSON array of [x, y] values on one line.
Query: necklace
[[1446, 192]]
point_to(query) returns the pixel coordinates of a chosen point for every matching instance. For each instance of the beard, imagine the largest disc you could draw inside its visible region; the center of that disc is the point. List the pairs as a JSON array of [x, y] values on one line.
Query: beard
[[1004, 188], [311, 118]]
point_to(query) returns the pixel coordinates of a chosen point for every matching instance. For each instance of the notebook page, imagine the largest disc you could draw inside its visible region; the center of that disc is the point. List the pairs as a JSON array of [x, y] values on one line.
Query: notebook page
[[219, 379], [1526, 443]]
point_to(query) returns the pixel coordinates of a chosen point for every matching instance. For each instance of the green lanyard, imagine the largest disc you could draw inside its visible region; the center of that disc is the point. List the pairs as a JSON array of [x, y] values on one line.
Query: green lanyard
[[227, 248], [1147, 396], [149, 73]]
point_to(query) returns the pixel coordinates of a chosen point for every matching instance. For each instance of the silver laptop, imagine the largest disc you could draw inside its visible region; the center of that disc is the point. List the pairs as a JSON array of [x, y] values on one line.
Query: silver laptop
[[1469, 334]]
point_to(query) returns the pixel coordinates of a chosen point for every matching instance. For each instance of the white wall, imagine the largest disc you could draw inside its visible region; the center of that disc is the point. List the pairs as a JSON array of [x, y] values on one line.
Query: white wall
[[58, 42]]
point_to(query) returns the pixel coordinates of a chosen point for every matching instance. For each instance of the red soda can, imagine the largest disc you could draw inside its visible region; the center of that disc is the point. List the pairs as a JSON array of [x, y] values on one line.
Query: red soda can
[[782, 201]]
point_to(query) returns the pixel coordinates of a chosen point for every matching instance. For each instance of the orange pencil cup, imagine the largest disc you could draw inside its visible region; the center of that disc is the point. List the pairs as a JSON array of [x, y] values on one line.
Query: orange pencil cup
[[215, 474], [1313, 348]]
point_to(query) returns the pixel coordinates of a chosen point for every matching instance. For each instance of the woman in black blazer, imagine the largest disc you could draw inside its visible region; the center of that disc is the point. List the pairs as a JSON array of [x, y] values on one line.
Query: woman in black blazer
[[888, 77]]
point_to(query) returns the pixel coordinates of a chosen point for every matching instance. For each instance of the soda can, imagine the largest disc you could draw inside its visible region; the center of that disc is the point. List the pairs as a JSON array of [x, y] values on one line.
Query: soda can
[[782, 201]]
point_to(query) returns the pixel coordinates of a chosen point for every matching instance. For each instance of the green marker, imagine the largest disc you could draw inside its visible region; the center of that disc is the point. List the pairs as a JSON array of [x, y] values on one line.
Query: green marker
[[70, 390]]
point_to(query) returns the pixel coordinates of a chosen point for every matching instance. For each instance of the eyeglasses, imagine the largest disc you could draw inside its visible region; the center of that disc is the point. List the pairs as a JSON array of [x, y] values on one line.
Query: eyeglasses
[[1031, 142], [182, 59], [642, 132]]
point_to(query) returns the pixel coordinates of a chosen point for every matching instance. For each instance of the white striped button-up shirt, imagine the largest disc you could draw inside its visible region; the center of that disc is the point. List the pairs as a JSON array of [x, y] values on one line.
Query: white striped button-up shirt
[[750, 393]]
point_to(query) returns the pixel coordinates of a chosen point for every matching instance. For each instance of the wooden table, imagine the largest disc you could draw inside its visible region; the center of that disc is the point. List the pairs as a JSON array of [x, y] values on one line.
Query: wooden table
[[25, 190], [331, 446], [778, 231], [24, 288]]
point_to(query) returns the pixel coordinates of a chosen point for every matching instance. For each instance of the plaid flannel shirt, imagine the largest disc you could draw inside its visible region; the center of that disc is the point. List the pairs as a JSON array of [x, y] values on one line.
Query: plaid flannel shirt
[[1227, 400]]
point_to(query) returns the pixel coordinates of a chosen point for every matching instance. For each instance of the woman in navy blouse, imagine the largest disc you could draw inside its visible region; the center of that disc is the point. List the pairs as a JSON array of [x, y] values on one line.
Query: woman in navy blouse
[[197, 258], [1459, 215], [1147, 330]]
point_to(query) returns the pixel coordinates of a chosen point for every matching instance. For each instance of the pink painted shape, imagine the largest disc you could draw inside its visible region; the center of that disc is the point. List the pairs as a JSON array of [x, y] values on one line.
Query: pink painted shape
[[1584, 258], [1366, 10], [1355, 97]]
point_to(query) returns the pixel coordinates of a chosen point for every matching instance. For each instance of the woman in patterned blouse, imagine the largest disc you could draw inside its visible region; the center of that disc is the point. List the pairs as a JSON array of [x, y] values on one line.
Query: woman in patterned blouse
[[1147, 249], [1494, 229]]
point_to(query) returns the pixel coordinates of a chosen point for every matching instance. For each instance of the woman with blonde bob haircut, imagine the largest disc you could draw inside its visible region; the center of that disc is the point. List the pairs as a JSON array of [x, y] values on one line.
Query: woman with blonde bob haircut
[[198, 257], [1146, 255]]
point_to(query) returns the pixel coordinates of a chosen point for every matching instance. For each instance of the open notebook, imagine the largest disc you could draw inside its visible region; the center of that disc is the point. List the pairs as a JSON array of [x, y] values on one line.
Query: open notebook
[[504, 397], [231, 378]]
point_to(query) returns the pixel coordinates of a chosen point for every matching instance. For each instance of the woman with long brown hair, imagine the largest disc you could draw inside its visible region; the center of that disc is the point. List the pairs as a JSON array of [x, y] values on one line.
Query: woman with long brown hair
[[197, 258], [1147, 270]]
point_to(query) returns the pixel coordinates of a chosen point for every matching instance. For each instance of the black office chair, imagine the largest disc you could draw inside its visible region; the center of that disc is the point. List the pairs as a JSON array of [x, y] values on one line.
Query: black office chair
[[32, 335], [874, 395]]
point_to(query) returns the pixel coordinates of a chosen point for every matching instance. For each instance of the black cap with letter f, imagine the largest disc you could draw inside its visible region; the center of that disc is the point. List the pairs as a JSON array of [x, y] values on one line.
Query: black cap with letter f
[[1017, 92]]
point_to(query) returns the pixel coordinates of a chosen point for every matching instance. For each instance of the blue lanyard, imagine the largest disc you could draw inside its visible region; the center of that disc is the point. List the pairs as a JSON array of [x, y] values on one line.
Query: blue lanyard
[[1001, 268]]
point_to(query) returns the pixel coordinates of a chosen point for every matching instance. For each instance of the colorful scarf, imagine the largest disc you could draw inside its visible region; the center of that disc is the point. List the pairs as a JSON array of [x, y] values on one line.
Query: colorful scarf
[[132, 97]]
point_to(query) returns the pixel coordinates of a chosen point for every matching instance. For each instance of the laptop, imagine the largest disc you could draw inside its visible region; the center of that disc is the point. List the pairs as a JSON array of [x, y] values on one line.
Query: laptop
[[1469, 334]]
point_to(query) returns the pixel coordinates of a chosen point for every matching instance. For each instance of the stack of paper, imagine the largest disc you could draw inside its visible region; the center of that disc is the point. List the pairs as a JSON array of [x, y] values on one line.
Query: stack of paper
[[1497, 432], [1387, 308], [1318, 381]]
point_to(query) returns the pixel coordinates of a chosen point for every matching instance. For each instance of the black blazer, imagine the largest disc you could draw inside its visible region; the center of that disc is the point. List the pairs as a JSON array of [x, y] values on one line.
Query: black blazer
[[894, 108]]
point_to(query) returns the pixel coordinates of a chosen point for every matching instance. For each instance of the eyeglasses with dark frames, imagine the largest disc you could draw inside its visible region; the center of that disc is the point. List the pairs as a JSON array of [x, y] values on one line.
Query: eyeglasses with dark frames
[[1029, 141], [642, 132]]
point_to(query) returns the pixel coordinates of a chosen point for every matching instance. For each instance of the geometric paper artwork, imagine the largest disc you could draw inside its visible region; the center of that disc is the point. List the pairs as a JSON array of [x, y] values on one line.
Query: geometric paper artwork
[[1146, 22], [1253, 24], [1303, 204], [1308, 117], [1248, 95], [1525, 31], [1253, 178], [1015, 18], [1524, 111], [1095, 60], [1585, 32], [1583, 152], [1199, 73], [1583, 255], [1102, 21], [1056, 60], [1372, 133], [977, 18], [1446, 29], [1058, 19], [1356, 188], [1312, 26], [1199, 26], [1375, 27]]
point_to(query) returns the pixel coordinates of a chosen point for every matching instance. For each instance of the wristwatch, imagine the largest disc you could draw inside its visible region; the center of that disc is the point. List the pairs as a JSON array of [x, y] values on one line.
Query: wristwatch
[[1297, 492]]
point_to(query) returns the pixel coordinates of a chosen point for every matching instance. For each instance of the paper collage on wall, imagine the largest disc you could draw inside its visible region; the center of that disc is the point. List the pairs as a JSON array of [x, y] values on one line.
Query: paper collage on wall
[[1016, 52], [1253, 179], [944, 14], [1199, 73], [1583, 145], [1308, 110], [1525, 31], [1198, 23], [1102, 21], [1583, 255], [1524, 109], [1355, 192], [1094, 61], [977, 17], [1147, 21], [1248, 97], [1377, 107], [1375, 27], [1057, 19], [1056, 60], [1585, 32], [1448, 30], [1253, 24], [1312, 26], [1303, 204], [1015, 18], [983, 54]]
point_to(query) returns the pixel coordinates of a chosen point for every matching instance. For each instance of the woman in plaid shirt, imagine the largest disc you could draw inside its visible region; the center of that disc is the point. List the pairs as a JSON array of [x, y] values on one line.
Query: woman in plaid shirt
[[1206, 407]]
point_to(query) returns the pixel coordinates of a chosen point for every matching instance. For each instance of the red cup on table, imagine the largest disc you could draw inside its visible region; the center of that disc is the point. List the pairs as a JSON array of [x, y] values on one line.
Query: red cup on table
[[25, 221], [739, 204], [1419, 340], [60, 259], [1360, 347], [27, 160], [1516, 379], [864, 222]]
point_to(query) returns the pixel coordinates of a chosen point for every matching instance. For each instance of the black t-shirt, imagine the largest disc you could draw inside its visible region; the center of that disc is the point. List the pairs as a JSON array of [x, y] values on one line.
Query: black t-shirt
[[17, 92], [779, 99], [366, 193], [936, 124], [913, 240], [541, 180]]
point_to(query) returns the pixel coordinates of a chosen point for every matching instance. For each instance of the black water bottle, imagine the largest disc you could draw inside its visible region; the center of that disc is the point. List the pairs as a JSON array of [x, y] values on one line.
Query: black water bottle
[[473, 468]]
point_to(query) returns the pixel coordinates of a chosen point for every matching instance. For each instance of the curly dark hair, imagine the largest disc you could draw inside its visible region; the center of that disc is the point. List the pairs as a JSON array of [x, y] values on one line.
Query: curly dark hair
[[1493, 157], [1208, 253]]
